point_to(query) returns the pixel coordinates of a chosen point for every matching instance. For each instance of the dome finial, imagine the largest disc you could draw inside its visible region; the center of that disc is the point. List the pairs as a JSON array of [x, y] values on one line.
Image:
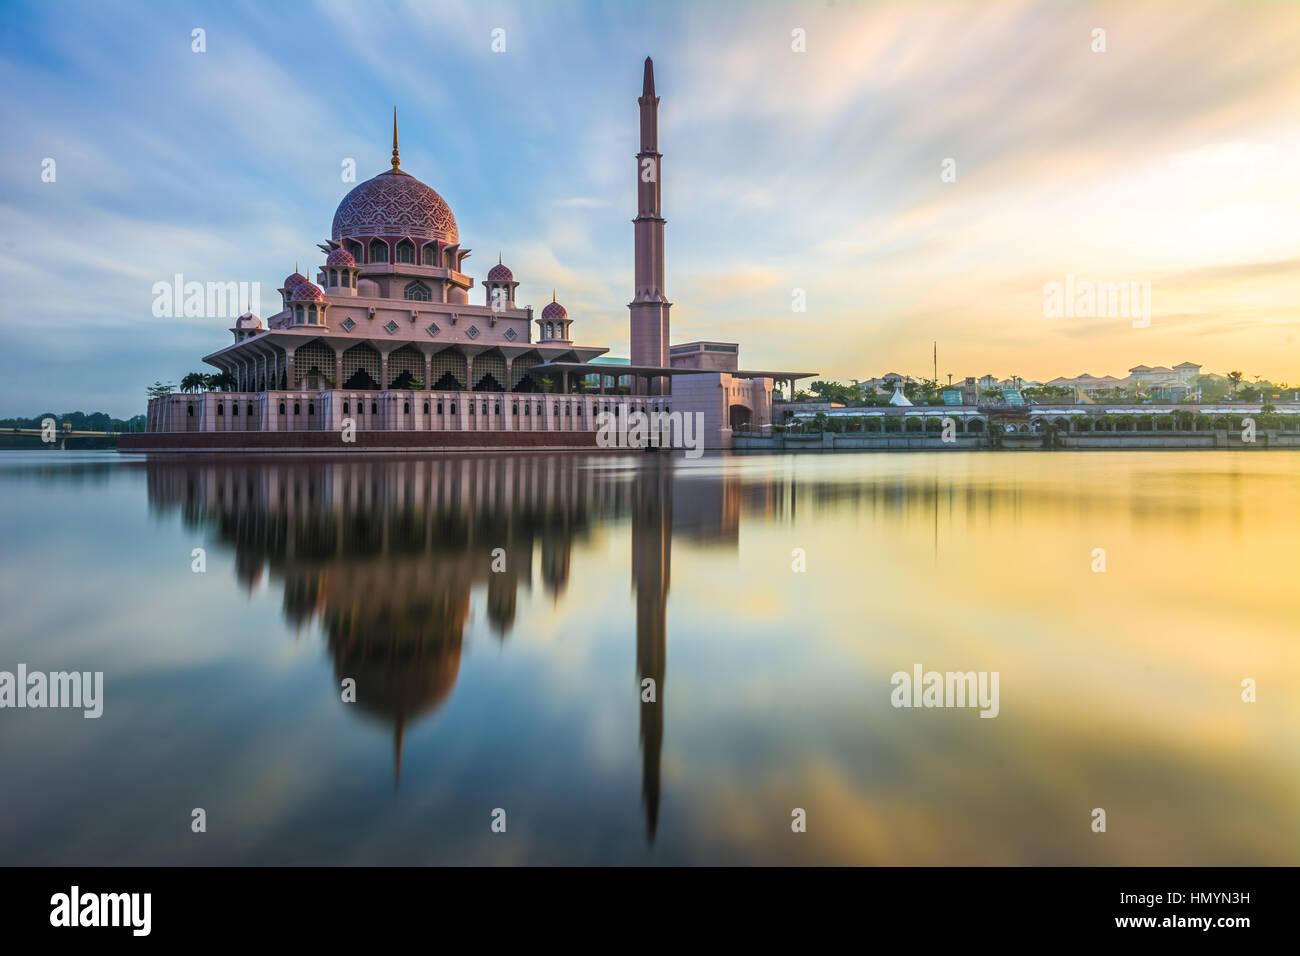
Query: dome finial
[[498, 258], [552, 295], [296, 270], [396, 160]]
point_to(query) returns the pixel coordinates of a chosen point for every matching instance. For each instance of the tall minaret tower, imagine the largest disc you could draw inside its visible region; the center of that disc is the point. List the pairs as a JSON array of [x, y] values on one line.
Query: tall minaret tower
[[649, 306]]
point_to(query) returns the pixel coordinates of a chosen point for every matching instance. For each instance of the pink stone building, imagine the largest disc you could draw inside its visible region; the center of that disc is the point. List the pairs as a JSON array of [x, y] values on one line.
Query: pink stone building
[[384, 334]]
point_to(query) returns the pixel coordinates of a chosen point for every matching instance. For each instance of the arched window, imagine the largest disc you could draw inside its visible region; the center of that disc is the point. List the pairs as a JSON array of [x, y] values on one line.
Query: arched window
[[550, 330], [406, 251], [430, 254], [298, 314], [418, 292], [378, 251]]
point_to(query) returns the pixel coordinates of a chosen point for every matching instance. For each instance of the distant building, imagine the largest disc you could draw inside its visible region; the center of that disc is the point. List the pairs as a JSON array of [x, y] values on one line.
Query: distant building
[[885, 382]]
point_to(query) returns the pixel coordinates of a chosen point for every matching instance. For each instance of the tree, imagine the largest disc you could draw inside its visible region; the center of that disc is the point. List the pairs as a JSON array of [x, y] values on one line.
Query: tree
[[159, 389], [194, 382], [1048, 394], [1212, 388], [923, 392], [837, 392], [1234, 381]]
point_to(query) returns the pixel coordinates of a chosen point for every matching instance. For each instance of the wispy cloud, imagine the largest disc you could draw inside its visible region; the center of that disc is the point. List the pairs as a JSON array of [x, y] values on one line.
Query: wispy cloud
[[1171, 157]]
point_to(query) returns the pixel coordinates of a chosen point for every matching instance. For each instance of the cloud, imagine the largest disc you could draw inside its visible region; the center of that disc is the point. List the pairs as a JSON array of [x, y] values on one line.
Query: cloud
[[1172, 157]]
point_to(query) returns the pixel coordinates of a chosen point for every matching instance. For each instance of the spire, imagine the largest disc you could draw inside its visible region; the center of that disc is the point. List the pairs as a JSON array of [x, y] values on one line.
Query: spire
[[648, 81], [296, 270], [396, 161], [552, 295], [498, 258]]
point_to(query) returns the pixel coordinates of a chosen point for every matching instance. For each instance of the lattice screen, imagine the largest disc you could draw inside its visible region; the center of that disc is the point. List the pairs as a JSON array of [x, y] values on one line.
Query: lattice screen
[[312, 355], [489, 364], [359, 358], [405, 359], [448, 361], [519, 368]]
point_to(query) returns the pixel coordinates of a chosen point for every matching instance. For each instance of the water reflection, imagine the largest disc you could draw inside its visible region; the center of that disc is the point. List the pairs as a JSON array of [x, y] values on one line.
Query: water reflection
[[523, 686], [384, 554]]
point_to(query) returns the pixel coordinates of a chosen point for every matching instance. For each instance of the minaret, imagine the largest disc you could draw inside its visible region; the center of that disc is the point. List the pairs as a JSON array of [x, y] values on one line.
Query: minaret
[[649, 306]]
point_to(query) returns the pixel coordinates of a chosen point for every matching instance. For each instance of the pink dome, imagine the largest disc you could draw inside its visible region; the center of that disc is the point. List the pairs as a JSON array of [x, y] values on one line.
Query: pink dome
[[248, 321], [293, 281], [500, 273], [306, 292], [395, 203], [340, 257], [554, 310]]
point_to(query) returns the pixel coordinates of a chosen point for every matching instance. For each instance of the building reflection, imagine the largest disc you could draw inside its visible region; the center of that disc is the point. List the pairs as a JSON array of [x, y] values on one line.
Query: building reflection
[[384, 554]]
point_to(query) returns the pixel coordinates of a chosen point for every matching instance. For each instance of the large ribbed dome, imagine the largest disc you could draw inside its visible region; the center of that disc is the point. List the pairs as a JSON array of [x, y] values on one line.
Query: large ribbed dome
[[395, 203]]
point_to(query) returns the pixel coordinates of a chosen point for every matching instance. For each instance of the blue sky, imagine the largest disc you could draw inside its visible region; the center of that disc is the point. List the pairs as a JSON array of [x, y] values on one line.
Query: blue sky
[[1170, 158]]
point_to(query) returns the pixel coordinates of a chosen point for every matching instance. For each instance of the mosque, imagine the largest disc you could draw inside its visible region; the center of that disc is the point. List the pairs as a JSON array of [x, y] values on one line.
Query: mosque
[[385, 336]]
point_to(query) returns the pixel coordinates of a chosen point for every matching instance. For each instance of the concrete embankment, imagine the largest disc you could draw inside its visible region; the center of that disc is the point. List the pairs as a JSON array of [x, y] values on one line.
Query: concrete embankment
[[897, 441]]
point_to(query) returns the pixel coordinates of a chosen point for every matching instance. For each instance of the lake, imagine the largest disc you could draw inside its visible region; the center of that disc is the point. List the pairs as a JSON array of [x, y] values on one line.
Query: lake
[[652, 660]]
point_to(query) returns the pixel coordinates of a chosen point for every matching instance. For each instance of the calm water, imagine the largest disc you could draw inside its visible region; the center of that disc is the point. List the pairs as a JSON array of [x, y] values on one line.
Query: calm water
[[520, 689]]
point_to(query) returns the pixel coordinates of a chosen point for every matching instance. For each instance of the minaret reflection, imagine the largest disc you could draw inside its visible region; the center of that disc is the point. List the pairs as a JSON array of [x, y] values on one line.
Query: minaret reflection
[[652, 548]]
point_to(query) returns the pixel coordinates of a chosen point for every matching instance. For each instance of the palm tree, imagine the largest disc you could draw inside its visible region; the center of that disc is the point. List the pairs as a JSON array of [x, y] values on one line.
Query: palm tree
[[193, 382], [1234, 379]]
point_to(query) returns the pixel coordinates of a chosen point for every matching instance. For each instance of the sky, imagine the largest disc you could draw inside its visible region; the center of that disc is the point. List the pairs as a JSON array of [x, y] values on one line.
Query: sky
[[911, 173]]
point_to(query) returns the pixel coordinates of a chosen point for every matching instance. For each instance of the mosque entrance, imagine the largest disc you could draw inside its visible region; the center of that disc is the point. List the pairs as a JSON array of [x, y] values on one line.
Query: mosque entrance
[[741, 418]]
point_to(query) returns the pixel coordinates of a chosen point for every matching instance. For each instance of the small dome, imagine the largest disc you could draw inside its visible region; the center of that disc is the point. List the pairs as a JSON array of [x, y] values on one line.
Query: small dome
[[306, 292], [554, 310], [340, 257], [294, 281], [248, 321], [500, 273]]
